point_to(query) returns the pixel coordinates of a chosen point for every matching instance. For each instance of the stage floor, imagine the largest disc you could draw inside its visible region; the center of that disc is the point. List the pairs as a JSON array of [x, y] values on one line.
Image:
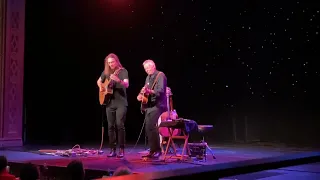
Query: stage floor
[[224, 154], [302, 172]]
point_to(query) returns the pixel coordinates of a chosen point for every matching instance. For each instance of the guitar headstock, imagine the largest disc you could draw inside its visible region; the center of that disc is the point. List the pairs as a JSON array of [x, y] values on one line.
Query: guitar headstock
[[168, 92]]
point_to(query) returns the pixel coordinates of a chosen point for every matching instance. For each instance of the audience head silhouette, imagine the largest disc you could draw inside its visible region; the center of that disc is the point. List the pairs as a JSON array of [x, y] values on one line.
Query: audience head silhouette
[[75, 170], [29, 172], [3, 163], [4, 172], [123, 170]]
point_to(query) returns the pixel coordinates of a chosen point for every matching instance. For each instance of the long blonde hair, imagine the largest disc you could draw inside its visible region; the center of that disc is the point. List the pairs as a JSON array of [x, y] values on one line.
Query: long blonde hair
[[107, 69]]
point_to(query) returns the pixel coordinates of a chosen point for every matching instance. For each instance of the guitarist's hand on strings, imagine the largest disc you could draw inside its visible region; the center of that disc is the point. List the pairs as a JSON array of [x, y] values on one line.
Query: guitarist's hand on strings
[[139, 97], [146, 90], [115, 78], [102, 89]]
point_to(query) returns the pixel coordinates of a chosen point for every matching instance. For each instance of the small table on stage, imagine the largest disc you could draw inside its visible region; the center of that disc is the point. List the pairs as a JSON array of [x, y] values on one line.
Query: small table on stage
[[184, 126]]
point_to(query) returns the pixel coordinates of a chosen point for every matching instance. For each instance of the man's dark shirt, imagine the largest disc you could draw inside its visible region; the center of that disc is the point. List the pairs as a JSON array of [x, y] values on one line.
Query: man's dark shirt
[[119, 96], [159, 98]]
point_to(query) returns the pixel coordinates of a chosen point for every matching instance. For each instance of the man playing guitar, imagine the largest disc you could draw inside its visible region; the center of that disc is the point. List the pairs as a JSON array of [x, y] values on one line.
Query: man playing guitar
[[155, 93], [116, 103]]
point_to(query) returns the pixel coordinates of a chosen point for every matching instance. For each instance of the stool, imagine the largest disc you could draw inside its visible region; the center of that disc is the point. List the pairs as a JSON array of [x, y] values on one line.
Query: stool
[[204, 129]]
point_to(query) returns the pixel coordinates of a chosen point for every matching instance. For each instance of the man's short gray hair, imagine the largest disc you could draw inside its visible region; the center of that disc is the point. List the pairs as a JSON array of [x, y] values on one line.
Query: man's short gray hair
[[148, 61]]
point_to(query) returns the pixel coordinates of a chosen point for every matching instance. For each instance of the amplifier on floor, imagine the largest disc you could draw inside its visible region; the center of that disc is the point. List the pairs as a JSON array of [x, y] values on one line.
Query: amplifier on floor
[[198, 150]]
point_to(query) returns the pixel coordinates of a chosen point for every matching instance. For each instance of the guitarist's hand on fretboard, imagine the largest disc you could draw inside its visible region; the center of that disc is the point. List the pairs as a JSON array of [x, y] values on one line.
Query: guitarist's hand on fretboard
[[115, 78]]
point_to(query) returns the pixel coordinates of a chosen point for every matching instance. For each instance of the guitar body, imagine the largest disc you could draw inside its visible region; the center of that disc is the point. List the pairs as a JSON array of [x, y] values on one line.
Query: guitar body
[[105, 95], [144, 99], [144, 102]]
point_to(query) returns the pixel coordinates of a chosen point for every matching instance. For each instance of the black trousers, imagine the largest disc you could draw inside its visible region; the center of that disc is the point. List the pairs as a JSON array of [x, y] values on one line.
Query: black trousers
[[151, 118], [116, 116]]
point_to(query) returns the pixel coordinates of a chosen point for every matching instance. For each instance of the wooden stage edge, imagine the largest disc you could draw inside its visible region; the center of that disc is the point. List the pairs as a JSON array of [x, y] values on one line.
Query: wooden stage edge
[[217, 171]]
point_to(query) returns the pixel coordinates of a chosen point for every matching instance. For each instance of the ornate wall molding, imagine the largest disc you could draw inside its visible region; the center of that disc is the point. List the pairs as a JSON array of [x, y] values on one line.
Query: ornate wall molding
[[13, 73], [2, 39]]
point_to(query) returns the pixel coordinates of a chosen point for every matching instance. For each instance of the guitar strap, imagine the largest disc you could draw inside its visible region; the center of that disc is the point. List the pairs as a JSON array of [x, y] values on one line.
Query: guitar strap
[[154, 82]]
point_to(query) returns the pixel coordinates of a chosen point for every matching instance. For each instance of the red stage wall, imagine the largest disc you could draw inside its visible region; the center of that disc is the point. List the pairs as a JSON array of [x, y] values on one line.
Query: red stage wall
[[12, 19]]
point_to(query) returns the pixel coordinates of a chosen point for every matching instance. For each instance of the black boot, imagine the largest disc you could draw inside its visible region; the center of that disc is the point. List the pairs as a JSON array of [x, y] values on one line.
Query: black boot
[[112, 153], [157, 154], [121, 153], [149, 155]]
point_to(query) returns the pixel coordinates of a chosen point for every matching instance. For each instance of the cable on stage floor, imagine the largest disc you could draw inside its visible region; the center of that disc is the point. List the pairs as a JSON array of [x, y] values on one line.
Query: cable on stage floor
[[135, 146], [75, 151]]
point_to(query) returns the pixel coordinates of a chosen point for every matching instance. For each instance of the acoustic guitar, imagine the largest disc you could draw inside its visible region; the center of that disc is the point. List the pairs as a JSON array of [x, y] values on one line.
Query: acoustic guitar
[[107, 85], [144, 96], [144, 99]]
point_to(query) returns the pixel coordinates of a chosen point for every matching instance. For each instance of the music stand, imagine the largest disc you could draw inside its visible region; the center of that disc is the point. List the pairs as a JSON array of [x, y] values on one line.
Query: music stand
[[204, 129]]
